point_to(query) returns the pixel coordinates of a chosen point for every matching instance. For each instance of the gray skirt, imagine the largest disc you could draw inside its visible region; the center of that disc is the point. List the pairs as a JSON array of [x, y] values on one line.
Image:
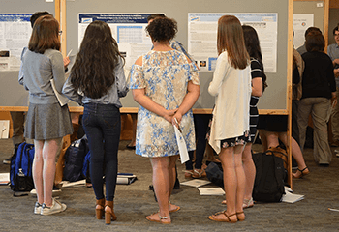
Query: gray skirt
[[47, 121]]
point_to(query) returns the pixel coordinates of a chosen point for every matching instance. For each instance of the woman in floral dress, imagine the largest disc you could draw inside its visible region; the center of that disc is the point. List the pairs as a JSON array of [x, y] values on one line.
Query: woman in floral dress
[[166, 85]]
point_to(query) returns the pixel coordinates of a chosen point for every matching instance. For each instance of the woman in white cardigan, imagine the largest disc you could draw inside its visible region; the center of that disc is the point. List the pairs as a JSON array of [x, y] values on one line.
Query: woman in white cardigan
[[231, 86]]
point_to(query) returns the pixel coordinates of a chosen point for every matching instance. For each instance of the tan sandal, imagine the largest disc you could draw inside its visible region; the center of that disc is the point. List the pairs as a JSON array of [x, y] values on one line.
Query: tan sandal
[[100, 208], [160, 220], [227, 219]]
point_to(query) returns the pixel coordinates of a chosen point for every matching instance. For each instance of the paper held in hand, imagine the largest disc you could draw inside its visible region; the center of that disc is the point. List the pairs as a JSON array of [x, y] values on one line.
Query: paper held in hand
[[62, 99], [181, 145]]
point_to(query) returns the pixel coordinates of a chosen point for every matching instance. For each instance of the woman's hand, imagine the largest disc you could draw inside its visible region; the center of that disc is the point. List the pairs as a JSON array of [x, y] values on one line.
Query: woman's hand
[[169, 115], [178, 117]]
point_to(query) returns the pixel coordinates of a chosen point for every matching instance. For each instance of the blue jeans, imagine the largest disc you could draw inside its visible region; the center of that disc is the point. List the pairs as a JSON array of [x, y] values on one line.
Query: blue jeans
[[102, 126]]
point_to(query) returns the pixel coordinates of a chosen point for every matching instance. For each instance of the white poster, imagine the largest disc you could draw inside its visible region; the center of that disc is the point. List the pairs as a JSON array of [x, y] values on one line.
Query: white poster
[[127, 29], [202, 38], [300, 24], [15, 32]]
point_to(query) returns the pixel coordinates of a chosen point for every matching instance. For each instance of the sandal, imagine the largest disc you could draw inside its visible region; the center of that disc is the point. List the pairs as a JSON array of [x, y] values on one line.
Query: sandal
[[158, 220], [189, 174], [242, 217], [248, 203], [303, 172], [227, 219], [198, 173], [177, 208]]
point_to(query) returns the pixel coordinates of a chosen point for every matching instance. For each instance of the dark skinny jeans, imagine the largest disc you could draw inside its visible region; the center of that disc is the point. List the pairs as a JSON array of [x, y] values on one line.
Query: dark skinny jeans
[[102, 126]]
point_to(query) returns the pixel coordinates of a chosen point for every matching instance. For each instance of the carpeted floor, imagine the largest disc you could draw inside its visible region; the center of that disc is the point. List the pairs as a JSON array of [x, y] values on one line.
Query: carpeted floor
[[134, 202]]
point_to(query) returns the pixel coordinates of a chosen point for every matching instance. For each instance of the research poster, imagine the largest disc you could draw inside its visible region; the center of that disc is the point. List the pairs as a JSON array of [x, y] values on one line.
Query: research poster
[[15, 32], [127, 29], [300, 24], [202, 37]]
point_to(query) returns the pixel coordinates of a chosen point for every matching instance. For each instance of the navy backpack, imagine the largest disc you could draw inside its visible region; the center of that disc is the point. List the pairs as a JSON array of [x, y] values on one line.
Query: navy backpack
[[21, 168]]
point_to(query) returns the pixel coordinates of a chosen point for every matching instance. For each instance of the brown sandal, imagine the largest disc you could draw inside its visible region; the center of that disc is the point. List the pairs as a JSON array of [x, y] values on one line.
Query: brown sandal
[[227, 219], [240, 218]]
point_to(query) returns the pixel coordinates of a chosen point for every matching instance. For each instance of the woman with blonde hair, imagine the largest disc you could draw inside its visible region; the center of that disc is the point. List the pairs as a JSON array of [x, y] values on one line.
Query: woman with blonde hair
[[231, 86]]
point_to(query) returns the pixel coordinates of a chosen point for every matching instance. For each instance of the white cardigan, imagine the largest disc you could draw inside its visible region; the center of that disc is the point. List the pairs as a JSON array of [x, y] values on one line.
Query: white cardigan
[[232, 90]]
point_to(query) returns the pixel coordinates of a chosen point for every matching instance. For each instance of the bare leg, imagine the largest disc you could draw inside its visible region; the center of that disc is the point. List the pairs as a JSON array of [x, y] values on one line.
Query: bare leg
[[161, 179], [249, 169], [234, 180], [296, 153], [172, 178], [38, 164], [50, 149], [263, 140]]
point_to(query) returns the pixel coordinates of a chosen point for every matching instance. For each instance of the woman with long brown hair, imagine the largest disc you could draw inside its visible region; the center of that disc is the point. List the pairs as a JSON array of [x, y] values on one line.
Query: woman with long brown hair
[[231, 86], [97, 81], [47, 121]]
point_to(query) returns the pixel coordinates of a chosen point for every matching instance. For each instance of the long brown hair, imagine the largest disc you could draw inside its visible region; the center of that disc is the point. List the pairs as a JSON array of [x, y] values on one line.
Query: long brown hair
[[45, 34], [231, 39], [93, 71]]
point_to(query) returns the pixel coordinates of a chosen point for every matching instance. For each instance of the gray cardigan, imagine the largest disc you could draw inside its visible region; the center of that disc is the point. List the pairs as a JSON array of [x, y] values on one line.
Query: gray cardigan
[[38, 70]]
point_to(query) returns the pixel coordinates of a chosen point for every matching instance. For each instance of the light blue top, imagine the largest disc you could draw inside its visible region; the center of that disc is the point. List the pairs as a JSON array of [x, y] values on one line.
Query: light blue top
[[118, 90], [333, 53]]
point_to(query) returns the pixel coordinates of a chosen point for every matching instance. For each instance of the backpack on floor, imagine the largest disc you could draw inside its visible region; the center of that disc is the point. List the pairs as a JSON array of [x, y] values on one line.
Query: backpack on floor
[[86, 173], [21, 168], [214, 173], [271, 173], [74, 159]]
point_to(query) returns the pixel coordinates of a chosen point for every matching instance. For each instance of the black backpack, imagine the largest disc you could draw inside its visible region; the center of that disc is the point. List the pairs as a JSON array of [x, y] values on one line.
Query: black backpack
[[74, 159], [21, 168], [269, 183], [214, 173]]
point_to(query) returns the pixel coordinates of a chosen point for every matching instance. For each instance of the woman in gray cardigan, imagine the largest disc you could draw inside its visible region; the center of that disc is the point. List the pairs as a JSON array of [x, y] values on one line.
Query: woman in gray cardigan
[[47, 121]]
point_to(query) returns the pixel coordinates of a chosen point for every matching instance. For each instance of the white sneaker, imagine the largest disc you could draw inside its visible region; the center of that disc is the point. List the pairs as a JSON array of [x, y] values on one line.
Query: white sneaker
[[37, 208], [56, 207]]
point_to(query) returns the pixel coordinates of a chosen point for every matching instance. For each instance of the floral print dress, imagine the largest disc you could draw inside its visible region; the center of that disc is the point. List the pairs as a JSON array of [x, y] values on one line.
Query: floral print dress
[[164, 75]]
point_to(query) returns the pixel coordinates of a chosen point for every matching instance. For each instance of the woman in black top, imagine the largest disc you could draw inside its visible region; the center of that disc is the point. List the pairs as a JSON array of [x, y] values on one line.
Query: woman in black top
[[318, 89]]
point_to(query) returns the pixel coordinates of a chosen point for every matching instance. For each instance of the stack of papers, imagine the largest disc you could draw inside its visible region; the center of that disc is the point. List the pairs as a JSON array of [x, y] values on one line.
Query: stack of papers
[[212, 191], [195, 183], [126, 178], [4, 178], [290, 197]]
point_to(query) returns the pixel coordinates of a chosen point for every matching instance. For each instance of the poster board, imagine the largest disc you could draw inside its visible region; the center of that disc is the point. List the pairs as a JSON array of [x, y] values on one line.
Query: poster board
[[275, 97]]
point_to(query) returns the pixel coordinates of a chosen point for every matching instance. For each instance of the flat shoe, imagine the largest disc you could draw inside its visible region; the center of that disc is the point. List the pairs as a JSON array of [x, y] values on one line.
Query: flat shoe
[[160, 220], [227, 219], [240, 216], [175, 210], [189, 174], [303, 172], [248, 203], [199, 173]]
